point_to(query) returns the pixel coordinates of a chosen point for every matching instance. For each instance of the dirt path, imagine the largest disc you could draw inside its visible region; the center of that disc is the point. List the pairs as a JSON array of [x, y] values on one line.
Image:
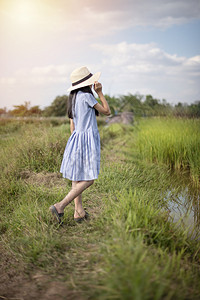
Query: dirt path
[[19, 280], [19, 283], [75, 273]]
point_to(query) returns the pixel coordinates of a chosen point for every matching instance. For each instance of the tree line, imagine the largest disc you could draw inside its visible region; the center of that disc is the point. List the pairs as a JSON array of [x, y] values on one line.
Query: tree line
[[138, 104]]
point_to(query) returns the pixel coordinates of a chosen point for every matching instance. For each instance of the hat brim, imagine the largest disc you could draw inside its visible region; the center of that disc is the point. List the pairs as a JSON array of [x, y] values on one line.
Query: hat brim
[[87, 82]]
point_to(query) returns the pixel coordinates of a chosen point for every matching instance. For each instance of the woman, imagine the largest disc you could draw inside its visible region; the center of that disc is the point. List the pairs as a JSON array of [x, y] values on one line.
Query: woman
[[81, 159]]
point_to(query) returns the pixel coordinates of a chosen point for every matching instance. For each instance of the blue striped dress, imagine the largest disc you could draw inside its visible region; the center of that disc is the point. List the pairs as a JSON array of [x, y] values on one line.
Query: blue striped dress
[[81, 159]]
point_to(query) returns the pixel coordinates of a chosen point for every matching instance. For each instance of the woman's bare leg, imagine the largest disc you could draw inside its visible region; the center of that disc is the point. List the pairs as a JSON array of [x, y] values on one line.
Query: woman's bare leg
[[79, 211], [76, 190]]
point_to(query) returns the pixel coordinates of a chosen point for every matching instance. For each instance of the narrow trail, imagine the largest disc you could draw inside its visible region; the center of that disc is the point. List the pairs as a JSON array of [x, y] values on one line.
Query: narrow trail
[[73, 274], [78, 265]]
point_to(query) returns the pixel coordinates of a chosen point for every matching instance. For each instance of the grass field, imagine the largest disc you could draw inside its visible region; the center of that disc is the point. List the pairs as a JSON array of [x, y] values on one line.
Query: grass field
[[174, 142], [130, 248]]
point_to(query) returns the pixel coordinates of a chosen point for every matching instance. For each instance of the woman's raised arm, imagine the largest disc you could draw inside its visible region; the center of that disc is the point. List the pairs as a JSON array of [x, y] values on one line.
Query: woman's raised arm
[[104, 108]]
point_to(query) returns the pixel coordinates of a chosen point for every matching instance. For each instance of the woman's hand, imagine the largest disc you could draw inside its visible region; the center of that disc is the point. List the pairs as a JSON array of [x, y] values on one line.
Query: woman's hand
[[97, 87], [104, 107]]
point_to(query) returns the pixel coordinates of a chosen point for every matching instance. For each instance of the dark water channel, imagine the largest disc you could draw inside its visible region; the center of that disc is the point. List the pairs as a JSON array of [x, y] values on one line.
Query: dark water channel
[[184, 207]]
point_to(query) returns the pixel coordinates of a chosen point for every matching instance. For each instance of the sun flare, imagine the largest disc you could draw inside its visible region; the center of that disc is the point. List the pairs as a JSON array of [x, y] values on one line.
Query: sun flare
[[22, 11], [25, 12]]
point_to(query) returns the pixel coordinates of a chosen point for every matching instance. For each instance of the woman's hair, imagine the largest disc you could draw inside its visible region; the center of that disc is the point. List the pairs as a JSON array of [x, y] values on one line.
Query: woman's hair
[[72, 100]]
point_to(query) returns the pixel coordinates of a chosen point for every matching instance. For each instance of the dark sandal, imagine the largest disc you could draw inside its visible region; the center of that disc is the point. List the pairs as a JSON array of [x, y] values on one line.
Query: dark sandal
[[79, 220], [56, 215]]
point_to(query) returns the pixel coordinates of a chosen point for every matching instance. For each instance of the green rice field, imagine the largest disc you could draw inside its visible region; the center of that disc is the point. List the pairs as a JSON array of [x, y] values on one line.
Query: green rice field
[[173, 142]]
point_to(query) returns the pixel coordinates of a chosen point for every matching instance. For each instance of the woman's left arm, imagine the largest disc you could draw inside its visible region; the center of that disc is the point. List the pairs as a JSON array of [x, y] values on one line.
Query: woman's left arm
[[72, 127]]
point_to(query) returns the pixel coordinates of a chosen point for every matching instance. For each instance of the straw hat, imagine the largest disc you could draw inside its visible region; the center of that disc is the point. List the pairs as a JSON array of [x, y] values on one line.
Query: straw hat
[[82, 77]]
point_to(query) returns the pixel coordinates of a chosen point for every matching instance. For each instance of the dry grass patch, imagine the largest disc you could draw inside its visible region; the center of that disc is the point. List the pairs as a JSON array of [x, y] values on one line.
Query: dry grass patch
[[43, 178]]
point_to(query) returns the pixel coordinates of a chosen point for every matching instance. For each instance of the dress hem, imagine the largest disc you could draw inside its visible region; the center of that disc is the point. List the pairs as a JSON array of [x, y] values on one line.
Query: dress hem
[[79, 179]]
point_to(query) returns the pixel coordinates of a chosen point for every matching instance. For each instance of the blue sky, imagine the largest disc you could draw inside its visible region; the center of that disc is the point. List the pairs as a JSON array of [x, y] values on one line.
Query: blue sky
[[140, 46], [184, 40]]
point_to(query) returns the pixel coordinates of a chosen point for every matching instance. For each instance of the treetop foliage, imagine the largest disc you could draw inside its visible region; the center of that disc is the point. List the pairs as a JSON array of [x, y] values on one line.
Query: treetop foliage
[[138, 104]]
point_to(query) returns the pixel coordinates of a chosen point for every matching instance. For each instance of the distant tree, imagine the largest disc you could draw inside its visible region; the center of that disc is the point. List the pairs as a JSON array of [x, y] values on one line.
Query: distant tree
[[114, 104], [24, 110], [150, 101], [138, 104], [132, 103], [34, 111], [20, 110], [58, 107], [3, 111], [164, 102], [180, 110], [194, 109]]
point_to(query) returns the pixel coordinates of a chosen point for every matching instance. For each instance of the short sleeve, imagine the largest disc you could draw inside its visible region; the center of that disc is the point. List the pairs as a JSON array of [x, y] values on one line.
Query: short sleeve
[[89, 98]]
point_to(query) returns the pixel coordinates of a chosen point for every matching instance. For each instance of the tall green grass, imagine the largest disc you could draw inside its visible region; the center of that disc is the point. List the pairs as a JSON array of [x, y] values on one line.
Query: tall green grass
[[31, 149], [139, 253], [34, 148], [174, 142], [147, 256]]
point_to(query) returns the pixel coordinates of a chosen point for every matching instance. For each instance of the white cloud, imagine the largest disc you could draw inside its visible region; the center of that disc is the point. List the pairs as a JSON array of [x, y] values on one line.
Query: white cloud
[[39, 85], [89, 18], [94, 19], [40, 75], [133, 55], [106, 17], [44, 75], [7, 80], [142, 67]]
